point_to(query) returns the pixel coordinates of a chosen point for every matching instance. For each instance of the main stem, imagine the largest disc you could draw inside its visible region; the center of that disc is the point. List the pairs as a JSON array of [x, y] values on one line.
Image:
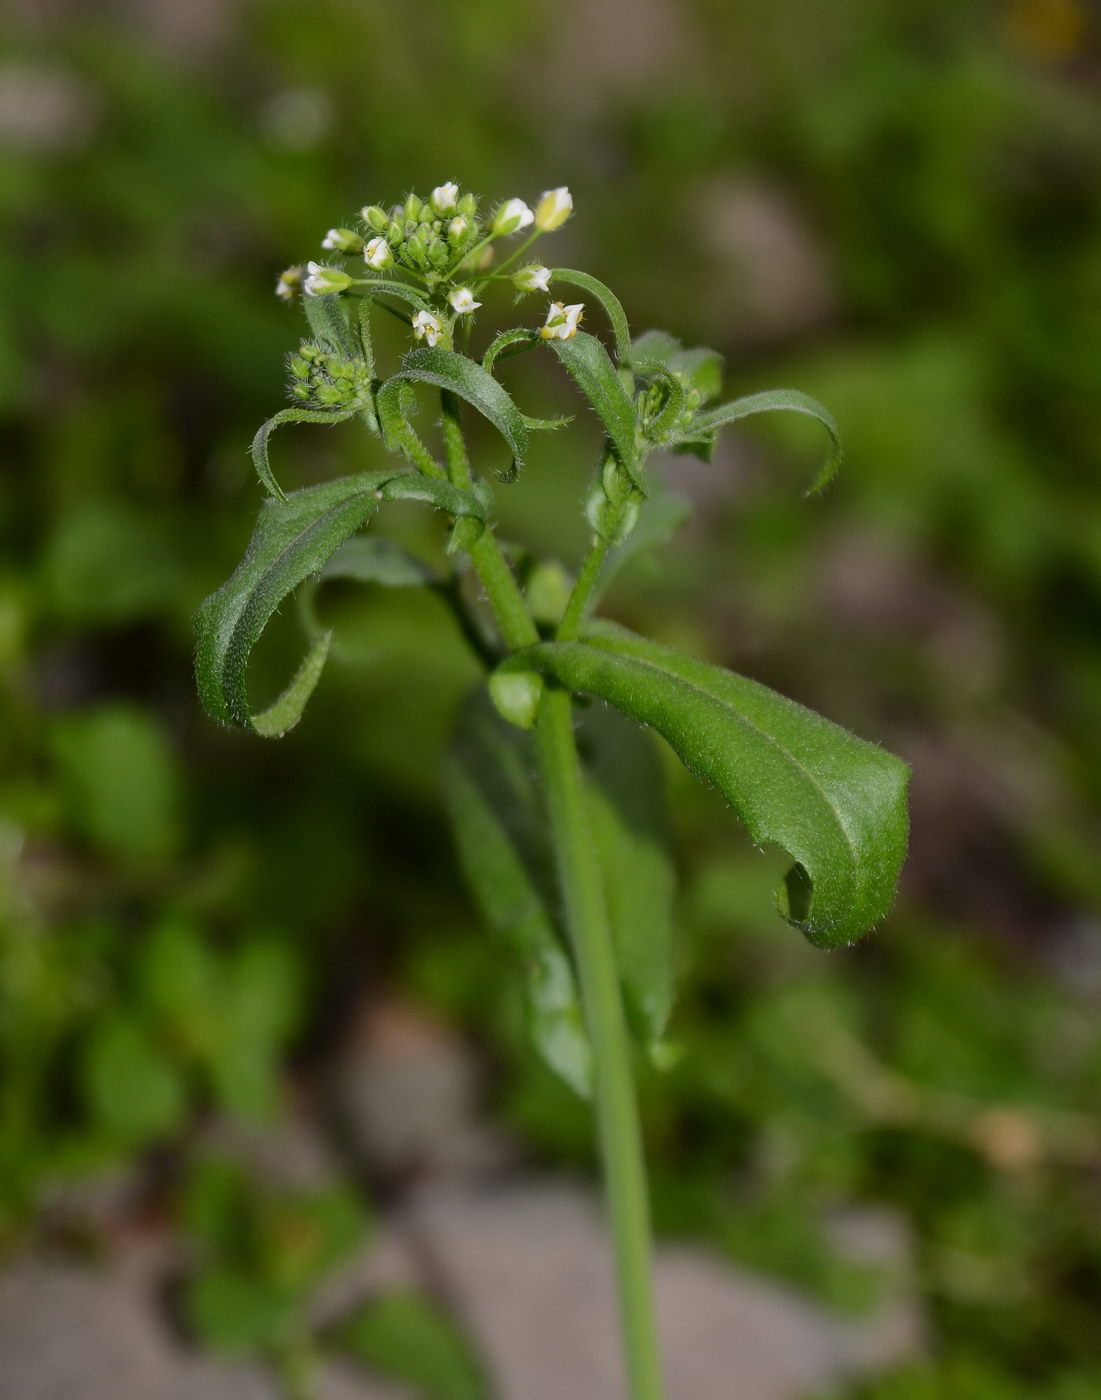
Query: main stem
[[618, 1126]]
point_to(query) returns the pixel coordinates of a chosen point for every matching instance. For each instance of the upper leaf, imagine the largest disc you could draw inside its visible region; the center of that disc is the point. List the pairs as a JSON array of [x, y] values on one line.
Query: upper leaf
[[587, 361], [834, 802], [770, 400], [293, 539], [447, 369], [608, 300]]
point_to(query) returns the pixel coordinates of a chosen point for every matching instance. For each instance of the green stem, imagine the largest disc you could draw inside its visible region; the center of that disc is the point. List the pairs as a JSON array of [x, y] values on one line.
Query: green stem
[[618, 1127], [581, 597], [616, 1106], [497, 578]]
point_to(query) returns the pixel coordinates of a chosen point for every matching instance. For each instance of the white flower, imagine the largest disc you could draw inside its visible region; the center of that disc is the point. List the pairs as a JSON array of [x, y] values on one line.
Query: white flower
[[532, 279], [512, 216], [443, 197], [342, 240], [426, 327], [462, 299], [562, 321], [289, 284], [377, 254], [458, 226], [554, 209], [322, 280]]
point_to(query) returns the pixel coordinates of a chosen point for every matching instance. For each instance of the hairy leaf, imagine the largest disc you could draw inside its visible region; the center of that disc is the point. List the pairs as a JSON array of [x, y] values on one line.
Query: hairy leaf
[[595, 375], [293, 539], [259, 448], [627, 805], [836, 804], [701, 367], [328, 322], [373, 288], [501, 837], [608, 300], [771, 400], [447, 369]]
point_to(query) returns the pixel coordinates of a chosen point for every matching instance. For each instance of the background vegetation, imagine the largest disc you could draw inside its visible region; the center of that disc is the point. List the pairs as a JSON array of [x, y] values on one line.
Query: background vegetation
[[895, 206]]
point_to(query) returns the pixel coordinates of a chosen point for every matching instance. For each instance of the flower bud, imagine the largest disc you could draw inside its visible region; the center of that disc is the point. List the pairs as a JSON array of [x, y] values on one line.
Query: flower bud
[[415, 248], [342, 240], [562, 321], [554, 209], [511, 217], [468, 205], [377, 254], [439, 255], [289, 284], [443, 197], [532, 279], [458, 228], [375, 217], [462, 299], [426, 327], [412, 207], [395, 232], [322, 280]]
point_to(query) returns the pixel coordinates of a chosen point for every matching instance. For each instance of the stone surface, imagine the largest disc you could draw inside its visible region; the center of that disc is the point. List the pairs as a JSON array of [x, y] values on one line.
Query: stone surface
[[529, 1265], [82, 1332]]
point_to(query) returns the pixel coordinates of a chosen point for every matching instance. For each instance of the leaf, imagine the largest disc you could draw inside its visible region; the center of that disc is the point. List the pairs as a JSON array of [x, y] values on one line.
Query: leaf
[[293, 539], [501, 837], [371, 289], [836, 804], [515, 335], [587, 361], [608, 300], [627, 804], [328, 322], [409, 1339], [447, 369], [771, 400], [135, 1090], [259, 448], [701, 367]]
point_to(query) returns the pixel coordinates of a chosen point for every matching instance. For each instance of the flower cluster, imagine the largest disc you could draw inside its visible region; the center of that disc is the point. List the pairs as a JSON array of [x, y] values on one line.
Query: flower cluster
[[442, 246], [320, 379]]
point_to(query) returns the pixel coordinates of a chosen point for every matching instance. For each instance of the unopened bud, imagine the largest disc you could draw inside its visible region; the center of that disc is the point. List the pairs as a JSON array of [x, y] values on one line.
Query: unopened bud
[[322, 280], [516, 695], [439, 254], [458, 228], [553, 209], [412, 207], [468, 205], [443, 197], [416, 248], [375, 217], [342, 240], [289, 284], [511, 217], [532, 279]]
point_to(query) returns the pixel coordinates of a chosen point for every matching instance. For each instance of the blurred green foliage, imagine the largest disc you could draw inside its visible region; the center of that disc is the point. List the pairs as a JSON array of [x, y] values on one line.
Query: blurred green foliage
[[896, 206]]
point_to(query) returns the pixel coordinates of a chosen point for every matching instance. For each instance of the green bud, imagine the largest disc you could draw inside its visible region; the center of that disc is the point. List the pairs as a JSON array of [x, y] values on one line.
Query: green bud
[[439, 255], [395, 233], [516, 695], [415, 248], [375, 217], [412, 207], [468, 205], [342, 240], [548, 591]]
